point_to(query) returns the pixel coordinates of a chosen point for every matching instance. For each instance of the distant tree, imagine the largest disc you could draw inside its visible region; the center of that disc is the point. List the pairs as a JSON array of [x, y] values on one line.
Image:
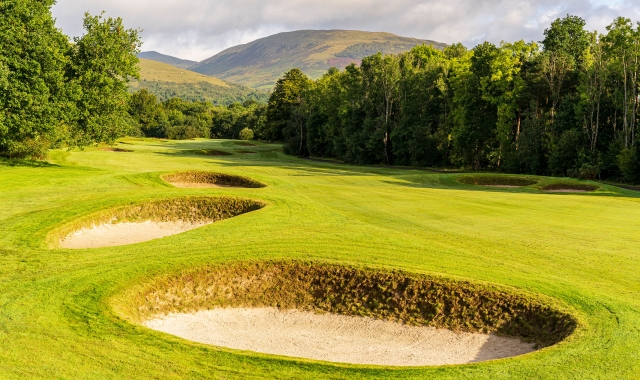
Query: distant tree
[[286, 113], [102, 62], [246, 134]]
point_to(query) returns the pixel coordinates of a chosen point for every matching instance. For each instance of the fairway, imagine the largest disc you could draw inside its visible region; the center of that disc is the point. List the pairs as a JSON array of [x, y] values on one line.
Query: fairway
[[64, 312]]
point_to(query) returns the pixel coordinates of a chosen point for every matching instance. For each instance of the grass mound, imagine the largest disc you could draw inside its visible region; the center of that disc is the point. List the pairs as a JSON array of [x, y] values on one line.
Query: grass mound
[[496, 180], [567, 186], [212, 152], [397, 296], [185, 209], [120, 150], [213, 178]]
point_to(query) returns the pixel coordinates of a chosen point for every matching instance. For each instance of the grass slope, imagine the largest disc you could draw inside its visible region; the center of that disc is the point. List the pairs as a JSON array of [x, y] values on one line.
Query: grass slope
[[260, 63], [58, 308], [166, 81], [173, 61]]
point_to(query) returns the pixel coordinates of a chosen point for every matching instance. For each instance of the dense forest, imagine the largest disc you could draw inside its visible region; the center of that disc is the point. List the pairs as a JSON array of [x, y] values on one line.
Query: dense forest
[[566, 106]]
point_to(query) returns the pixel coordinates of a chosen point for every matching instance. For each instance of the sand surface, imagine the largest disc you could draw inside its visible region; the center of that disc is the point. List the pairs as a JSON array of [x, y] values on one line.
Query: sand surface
[[336, 338], [111, 235]]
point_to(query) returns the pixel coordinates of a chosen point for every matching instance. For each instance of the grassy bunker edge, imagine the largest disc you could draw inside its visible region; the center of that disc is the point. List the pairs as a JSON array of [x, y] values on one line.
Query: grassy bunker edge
[[212, 178], [496, 180], [187, 209], [412, 299], [569, 186]]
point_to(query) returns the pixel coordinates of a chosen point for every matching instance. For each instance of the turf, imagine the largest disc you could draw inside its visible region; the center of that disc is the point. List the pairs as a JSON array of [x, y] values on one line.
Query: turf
[[58, 308]]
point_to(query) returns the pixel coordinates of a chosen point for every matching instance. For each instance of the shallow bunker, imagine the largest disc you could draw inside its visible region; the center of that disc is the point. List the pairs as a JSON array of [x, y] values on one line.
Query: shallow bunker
[[212, 152], [497, 181], [119, 150], [200, 179], [346, 314], [146, 221], [570, 188]]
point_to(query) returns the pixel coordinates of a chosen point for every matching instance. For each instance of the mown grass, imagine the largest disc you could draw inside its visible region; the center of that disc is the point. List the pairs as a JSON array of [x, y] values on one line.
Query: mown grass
[[60, 309]]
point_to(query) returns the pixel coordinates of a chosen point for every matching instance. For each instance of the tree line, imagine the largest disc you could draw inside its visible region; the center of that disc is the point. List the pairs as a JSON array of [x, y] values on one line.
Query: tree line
[[56, 91], [566, 106], [180, 119]]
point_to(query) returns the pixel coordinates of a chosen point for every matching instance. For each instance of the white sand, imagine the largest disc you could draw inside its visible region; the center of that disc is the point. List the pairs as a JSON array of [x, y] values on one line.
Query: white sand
[[336, 338], [111, 235]]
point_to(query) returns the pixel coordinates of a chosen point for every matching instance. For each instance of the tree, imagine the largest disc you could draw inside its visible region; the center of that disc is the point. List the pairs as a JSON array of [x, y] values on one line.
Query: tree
[[32, 87], [285, 111], [102, 63]]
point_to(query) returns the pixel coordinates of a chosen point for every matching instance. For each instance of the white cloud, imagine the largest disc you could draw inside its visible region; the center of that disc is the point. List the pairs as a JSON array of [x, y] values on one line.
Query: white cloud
[[198, 29]]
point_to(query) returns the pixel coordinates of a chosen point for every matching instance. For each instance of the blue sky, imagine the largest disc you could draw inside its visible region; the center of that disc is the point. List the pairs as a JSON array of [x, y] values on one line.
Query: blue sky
[[198, 29]]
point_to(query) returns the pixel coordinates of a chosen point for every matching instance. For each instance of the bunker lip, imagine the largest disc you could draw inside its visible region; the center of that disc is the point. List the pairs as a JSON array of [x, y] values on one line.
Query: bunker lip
[[212, 152], [202, 179], [150, 220], [403, 300], [497, 181], [119, 150]]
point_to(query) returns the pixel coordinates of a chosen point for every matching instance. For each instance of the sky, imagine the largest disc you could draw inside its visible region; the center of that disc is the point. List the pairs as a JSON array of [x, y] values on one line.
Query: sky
[[199, 29]]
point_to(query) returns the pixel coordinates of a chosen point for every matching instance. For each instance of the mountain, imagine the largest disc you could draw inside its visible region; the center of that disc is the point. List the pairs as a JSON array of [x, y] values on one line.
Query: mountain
[[173, 61], [166, 81], [260, 63]]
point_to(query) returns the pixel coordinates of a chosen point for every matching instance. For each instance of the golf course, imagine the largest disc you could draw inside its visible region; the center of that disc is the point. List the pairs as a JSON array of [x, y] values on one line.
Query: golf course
[[551, 261]]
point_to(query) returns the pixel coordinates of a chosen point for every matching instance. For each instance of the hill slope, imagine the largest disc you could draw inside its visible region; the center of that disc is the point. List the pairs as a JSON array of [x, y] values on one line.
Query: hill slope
[[260, 63], [166, 81], [173, 61]]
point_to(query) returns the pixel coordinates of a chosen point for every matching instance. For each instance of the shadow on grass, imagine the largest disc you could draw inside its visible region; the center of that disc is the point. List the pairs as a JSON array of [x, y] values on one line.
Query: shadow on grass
[[26, 163]]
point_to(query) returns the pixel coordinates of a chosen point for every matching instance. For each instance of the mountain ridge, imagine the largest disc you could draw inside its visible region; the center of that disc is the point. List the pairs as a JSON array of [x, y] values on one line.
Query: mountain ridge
[[261, 62]]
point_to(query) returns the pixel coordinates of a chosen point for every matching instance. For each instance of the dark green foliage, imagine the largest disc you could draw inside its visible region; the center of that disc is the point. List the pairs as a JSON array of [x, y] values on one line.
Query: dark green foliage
[[213, 178], [33, 57], [567, 108], [359, 51], [396, 296], [179, 119], [55, 93], [566, 186], [201, 92], [496, 180]]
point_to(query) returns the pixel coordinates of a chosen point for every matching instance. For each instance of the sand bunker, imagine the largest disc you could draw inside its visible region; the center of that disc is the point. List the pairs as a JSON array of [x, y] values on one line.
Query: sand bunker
[[336, 338], [497, 181], [199, 179], [112, 235], [136, 223], [569, 188]]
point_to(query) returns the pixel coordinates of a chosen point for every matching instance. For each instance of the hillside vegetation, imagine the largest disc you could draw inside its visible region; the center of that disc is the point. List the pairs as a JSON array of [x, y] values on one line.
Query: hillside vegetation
[[260, 63], [166, 82], [173, 61]]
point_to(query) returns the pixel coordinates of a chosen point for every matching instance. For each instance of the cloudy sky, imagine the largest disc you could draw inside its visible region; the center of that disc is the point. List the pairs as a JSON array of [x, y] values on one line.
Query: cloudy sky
[[198, 29]]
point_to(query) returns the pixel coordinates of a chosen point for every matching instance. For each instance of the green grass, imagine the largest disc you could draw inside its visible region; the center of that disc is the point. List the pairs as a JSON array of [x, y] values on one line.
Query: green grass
[[59, 308]]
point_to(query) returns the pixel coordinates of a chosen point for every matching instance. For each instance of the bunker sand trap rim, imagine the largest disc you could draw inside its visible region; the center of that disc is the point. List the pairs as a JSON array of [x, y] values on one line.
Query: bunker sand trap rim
[[336, 338], [117, 234]]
